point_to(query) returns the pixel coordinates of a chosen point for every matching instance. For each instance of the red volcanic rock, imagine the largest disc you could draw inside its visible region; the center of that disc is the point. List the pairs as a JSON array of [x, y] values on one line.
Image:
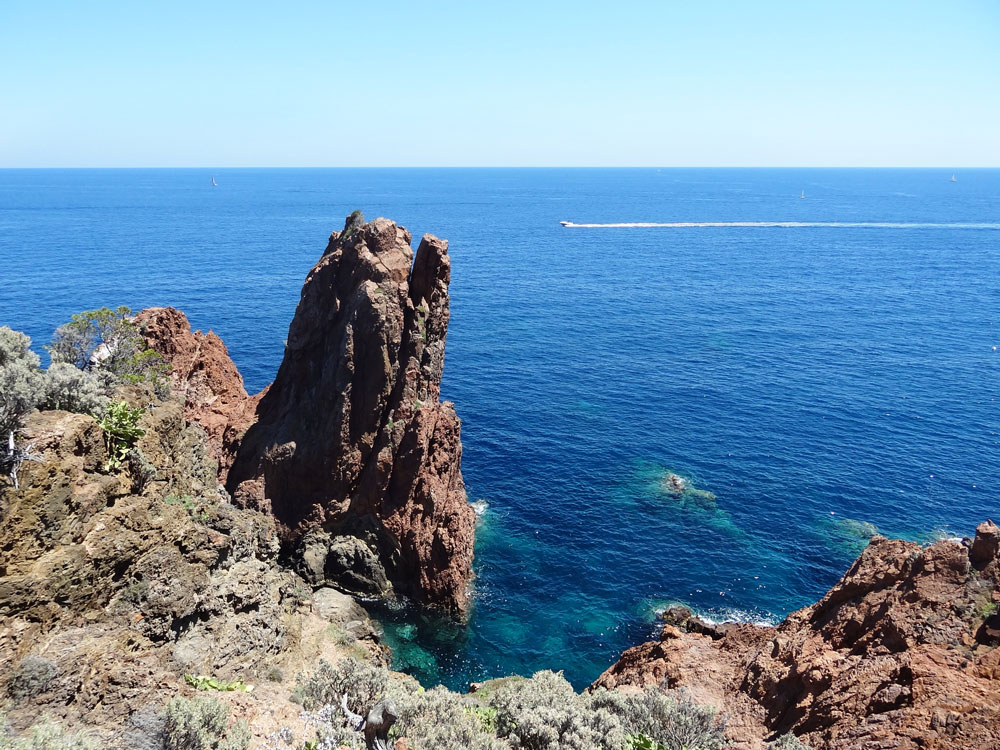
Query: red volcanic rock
[[205, 376], [901, 653], [986, 545], [352, 451]]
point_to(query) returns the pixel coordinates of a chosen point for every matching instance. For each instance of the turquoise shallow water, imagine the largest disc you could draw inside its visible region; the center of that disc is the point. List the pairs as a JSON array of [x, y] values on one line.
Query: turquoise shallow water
[[830, 372]]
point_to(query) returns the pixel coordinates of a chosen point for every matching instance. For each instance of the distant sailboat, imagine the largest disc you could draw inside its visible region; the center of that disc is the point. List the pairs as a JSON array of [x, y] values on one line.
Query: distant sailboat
[[803, 194], [953, 179], [214, 183]]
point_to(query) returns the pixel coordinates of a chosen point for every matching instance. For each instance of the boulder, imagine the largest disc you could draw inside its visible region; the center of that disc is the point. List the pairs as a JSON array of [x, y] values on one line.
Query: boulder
[[986, 544]]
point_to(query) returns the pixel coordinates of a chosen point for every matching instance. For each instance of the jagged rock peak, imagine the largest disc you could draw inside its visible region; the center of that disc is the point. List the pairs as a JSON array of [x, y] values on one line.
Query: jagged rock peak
[[352, 451], [204, 376]]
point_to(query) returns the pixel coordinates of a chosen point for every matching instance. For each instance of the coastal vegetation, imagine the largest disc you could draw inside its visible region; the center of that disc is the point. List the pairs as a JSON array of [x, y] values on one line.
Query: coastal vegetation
[[542, 712], [144, 587], [109, 344], [92, 355]]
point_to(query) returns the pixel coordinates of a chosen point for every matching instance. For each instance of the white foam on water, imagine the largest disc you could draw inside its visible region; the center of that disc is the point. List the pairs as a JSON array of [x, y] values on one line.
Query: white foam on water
[[786, 225], [725, 615]]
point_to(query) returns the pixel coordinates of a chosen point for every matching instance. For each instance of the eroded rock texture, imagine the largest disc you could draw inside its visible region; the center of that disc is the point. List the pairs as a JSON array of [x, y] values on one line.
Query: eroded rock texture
[[901, 653], [205, 377], [112, 586], [352, 451]]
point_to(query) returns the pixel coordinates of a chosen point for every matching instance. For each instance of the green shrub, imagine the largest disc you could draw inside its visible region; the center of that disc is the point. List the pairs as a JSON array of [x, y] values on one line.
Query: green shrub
[[658, 720], [185, 501], [201, 724], [45, 736], [21, 382], [121, 429], [544, 713], [486, 716], [31, 677], [364, 685], [207, 682], [67, 388], [110, 342], [787, 742]]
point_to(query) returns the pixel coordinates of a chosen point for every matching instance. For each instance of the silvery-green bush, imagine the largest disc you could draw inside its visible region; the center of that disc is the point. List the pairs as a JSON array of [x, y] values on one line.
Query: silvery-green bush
[[670, 720], [202, 724], [545, 713], [364, 685], [435, 719], [540, 713], [787, 742], [70, 389], [439, 719], [44, 736], [21, 382]]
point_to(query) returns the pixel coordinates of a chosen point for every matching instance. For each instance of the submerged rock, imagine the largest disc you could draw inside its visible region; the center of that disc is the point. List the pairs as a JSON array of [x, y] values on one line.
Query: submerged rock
[[857, 529], [686, 494], [351, 438], [675, 484]]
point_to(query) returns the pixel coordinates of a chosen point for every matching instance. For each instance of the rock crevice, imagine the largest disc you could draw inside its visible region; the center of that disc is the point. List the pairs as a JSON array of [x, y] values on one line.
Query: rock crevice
[[351, 439], [900, 653]]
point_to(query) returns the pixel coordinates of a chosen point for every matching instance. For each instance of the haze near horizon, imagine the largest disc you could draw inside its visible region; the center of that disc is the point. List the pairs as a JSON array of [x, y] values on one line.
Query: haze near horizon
[[446, 84]]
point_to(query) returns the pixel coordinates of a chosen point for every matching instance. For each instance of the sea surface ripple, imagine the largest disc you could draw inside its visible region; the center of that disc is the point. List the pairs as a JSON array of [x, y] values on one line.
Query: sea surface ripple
[[807, 384]]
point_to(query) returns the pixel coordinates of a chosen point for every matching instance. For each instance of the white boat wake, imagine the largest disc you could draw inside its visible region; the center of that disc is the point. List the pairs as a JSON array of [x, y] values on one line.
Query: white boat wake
[[786, 225]]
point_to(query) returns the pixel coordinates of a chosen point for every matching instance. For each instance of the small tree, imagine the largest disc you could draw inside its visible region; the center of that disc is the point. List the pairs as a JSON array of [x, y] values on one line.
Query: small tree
[[109, 342]]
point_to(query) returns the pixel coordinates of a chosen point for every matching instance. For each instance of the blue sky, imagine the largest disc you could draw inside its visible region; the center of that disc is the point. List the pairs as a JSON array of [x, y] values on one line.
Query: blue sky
[[712, 83]]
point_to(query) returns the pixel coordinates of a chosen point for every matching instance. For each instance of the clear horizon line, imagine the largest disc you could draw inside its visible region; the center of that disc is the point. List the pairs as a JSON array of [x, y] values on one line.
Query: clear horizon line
[[519, 166]]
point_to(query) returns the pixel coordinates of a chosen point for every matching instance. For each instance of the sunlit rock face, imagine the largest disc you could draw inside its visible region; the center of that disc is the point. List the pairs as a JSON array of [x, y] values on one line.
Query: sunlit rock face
[[352, 451], [901, 652]]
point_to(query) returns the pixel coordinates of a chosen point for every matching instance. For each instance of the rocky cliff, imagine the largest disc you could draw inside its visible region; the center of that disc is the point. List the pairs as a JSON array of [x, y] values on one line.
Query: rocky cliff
[[350, 448], [115, 583], [901, 653], [204, 377]]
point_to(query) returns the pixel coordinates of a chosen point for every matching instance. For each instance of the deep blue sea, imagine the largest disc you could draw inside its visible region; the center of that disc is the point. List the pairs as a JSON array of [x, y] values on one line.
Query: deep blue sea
[[809, 377]]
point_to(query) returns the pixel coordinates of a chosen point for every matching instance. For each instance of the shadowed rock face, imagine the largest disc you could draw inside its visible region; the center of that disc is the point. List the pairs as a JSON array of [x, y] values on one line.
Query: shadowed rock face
[[351, 440], [901, 653]]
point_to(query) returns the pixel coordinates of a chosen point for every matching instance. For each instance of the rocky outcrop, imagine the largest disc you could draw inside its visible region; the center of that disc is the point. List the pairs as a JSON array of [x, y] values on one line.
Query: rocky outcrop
[[901, 653], [113, 586], [352, 452], [204, 376]]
